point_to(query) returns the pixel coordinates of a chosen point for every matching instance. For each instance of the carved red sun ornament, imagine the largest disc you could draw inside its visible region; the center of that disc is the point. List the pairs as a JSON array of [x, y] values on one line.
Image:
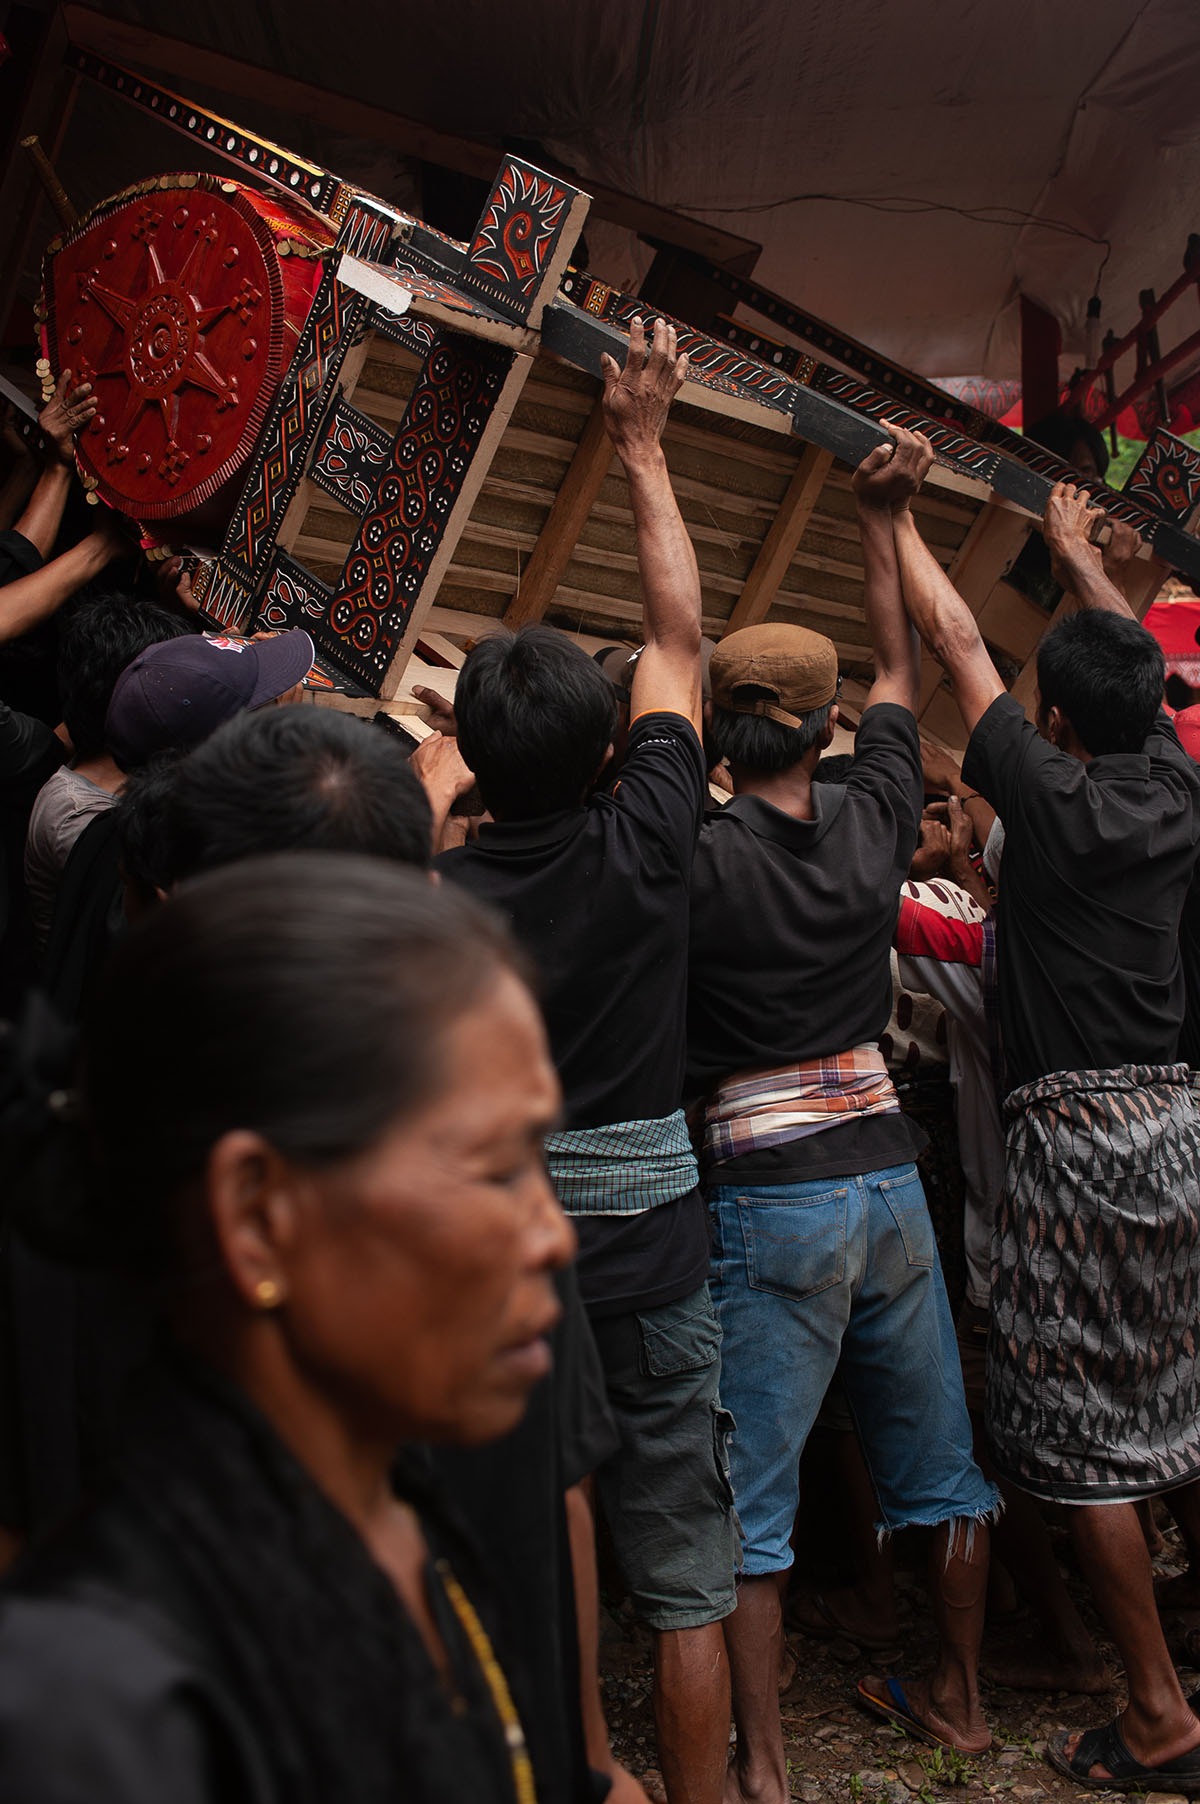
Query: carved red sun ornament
[[180, 302]]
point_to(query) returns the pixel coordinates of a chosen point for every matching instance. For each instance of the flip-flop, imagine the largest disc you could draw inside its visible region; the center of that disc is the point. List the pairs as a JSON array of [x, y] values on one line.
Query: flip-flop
[[822, 1624], [1106, 1747], [893, 1707]]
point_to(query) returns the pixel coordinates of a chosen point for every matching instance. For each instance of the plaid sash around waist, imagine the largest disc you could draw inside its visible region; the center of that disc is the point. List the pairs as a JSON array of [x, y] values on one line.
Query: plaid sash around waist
[[756, 1109], [623, 1168]]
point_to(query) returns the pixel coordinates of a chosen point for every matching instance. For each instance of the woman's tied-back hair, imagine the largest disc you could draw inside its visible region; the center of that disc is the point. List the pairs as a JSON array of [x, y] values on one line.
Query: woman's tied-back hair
[[535, 718], [302, 996]]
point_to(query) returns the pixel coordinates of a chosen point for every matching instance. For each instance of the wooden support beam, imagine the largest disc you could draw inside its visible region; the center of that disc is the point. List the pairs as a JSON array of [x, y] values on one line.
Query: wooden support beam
[[777, 549], [557, 539], [993, 542]]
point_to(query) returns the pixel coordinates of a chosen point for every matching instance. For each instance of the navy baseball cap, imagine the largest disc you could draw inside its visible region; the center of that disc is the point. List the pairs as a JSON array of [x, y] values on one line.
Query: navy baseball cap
[[175, 694]]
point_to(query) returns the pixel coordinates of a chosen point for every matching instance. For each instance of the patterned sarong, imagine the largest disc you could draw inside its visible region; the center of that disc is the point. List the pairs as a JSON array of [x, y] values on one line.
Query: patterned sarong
[[1093, 1372]]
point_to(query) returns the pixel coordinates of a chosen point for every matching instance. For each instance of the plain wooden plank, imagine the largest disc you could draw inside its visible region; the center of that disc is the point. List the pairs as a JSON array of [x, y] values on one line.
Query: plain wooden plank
[[786, 530]]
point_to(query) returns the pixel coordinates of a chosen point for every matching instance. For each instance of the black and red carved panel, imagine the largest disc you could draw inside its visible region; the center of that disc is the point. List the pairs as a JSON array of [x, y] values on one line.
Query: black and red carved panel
[[443, 426], [368, 231], [223, 599], [291, 426], [717, 365], [350, 457], [518, 234], [293, 597], [1166, 477], [978, 460], [404, 329], [180, 302]]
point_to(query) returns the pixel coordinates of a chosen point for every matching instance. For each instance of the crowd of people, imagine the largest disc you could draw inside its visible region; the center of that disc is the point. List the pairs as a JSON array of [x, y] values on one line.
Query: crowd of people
[[421, 1165]]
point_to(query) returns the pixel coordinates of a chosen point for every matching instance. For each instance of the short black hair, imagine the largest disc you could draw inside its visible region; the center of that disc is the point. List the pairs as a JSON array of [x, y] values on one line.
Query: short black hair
[[296, 778], [142, 818], [535, 718], [1060, 432], [759, 743], [1105, 673], [304, 996], [99, 639]]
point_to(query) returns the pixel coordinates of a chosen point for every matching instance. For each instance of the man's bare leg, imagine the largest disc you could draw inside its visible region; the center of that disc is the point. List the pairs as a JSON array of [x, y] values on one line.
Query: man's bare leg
[[1071, 1662], [868, 1606], [754, 1637], [691, 1712], [1183, 1591], [581, 1529], [948, 1700], [1156, 1723]]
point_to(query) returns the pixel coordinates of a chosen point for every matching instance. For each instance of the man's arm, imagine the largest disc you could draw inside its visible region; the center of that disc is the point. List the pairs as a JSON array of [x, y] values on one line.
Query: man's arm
[[637, 400], [444, 777], [33, 598], [877, 482], [1078, 564], [60, 419], [939, 613]]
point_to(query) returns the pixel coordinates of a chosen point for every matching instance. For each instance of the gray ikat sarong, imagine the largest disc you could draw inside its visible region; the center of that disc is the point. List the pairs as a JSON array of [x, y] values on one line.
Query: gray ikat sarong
[[1093, 1372]]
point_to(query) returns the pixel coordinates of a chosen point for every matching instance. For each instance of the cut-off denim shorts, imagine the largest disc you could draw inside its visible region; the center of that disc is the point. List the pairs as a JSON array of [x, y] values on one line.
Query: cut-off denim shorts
[[839, 1269]]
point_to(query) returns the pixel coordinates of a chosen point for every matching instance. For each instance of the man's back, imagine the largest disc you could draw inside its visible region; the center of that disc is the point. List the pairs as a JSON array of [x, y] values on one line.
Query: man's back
[[792, 920], [598, 897], [1098, 857]]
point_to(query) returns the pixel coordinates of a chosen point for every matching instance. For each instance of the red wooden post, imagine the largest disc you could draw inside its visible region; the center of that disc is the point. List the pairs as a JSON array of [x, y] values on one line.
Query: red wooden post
[[1041, 342]]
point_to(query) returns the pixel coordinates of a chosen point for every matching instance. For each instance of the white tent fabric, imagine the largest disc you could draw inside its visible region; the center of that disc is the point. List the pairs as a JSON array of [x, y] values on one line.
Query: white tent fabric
[[893, 158]]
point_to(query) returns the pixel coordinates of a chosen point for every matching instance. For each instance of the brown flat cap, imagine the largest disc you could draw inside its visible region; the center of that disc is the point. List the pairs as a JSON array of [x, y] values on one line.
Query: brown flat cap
[[798, 668]]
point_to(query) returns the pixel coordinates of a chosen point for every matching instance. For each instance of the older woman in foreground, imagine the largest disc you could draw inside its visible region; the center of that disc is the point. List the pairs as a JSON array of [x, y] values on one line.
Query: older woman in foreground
[[311, 1108]]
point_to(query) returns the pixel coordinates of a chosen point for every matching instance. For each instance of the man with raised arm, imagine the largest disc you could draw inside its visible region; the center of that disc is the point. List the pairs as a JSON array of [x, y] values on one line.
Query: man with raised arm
[[595, 883], [823, 1247], [1093, 1388]]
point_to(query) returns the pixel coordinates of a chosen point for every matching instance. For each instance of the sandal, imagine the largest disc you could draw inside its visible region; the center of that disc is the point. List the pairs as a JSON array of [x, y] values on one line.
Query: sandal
[[1106, 1747], [892, 1706]]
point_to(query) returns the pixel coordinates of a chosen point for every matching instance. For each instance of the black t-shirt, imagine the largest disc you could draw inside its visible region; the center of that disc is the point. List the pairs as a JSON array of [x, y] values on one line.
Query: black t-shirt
[[598, 898], [1189, 953], [792, 926], [19, 557], [1098, 858], [28, 677]]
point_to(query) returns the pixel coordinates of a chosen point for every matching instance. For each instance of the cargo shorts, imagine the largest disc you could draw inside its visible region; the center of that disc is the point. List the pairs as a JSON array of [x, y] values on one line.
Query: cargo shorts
[[666, 1491]]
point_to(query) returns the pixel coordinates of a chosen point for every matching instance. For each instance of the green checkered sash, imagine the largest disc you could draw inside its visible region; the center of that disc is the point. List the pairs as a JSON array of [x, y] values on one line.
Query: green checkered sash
[[623, 1168]]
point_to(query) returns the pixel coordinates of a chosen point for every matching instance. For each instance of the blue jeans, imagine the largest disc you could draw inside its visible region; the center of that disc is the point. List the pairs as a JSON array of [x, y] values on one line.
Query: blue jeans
[[839, 1269]]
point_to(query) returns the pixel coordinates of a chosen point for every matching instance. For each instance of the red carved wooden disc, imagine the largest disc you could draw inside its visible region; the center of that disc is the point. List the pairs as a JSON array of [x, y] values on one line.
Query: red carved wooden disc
[[175, 302]]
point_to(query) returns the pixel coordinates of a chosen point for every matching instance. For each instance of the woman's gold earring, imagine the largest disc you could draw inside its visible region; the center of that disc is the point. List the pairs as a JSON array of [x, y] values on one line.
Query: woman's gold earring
[[266, 1293]]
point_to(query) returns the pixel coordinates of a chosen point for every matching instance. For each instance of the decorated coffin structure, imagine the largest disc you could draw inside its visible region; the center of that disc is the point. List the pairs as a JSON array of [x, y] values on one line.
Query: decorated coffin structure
[[394, 440]]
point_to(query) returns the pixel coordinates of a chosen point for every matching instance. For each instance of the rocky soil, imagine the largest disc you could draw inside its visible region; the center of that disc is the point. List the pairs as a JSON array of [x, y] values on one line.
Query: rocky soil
[[839, 1754]]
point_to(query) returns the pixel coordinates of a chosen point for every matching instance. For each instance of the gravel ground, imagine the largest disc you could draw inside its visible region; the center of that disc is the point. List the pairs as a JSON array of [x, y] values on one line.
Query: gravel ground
[[836, 1752]]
